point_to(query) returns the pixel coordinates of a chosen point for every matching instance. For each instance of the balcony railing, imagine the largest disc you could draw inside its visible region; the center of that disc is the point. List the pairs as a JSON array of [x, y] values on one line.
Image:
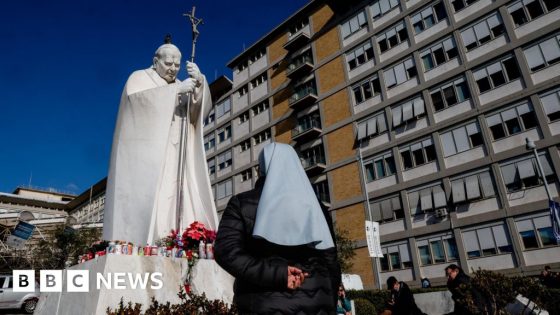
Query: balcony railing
[[300, 65], [298, 39], [306, 126], [303, 97], [313, 161]]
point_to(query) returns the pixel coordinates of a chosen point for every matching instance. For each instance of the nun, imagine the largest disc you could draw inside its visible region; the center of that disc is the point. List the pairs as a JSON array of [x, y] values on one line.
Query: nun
[[278, 242]]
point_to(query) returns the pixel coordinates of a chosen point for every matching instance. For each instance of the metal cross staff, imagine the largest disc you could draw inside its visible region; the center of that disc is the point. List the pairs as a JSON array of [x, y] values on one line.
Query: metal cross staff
[[184, 120], [194, 24]]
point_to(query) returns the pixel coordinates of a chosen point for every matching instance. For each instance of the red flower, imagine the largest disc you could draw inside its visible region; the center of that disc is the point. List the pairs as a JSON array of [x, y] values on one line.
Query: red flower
[[189, 254], [210, 235], [187, 288]]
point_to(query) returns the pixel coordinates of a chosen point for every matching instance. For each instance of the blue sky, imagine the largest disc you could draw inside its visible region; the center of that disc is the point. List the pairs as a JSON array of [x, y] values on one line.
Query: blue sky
[[64, 64]]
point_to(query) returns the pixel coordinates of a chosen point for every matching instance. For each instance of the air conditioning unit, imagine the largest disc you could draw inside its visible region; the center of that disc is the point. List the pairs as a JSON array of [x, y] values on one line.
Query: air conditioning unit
[[441, 213]]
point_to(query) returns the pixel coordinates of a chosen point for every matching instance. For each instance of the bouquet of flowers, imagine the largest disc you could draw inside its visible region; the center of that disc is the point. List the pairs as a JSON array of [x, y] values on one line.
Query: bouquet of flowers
[[190, 238], [188, 244]]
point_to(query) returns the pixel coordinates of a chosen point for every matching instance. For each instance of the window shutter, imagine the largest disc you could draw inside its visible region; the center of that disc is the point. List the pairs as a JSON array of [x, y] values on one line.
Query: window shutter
[[461, 139], [500, 235], [400, 73], [470, 241], [405, 255], [542, 222], [545, 165], [389, 76], [376, 211], [448, 144], [458, 190], [426, 199], [439, 197], [526, 169], [473, 189], [397, 115], [533, 56], [472, 129], [407, 111], [418, 106], [481, 30], [551, 103], [550, 49], [486, 239], [387, 209], [493, 120], [493, 21], [414, 204], [371, 126], [508, 173], [487, 186], [525, 225], [381, 125], [362, 130], [396, 203], [468, 36]]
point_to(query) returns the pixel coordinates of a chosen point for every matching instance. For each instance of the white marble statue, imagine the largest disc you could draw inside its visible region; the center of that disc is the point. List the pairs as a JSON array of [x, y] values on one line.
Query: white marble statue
[[142, 183]]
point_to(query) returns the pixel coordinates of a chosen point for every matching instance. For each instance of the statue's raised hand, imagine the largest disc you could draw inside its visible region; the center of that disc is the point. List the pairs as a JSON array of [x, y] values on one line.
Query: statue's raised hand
[[194, 73], [187, 86]]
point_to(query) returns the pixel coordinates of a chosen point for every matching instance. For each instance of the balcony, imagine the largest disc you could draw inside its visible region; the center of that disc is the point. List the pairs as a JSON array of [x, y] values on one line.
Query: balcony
[[307, 129], [297, 40], [303, 97], [314, 164], [299, 66]]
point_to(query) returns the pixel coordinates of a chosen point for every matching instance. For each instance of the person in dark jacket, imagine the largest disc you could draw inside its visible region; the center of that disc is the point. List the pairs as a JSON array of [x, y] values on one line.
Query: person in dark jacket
[[402, 301], [278, 242], [459, 283]]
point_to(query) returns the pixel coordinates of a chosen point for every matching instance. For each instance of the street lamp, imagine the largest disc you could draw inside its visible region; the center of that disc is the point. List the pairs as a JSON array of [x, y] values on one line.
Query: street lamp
[[530, 145]]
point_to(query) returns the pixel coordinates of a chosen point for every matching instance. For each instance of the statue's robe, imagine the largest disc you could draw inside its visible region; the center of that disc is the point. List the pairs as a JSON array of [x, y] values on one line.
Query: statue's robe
[[141, 192]]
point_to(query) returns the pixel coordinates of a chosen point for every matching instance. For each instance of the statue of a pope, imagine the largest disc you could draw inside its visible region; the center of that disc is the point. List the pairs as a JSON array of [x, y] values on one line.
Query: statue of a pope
[[142, 184]]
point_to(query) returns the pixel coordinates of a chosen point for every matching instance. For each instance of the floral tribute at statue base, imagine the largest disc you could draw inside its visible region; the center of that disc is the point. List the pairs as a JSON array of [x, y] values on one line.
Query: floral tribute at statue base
[[194, 243]]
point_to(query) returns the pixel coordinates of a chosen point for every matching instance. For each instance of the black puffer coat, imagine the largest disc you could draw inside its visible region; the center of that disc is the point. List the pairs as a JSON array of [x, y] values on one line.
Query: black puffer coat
[[260, 268]]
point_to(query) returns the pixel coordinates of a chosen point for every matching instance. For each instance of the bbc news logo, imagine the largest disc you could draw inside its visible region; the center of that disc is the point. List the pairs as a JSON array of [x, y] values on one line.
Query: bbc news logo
[[79, 280]]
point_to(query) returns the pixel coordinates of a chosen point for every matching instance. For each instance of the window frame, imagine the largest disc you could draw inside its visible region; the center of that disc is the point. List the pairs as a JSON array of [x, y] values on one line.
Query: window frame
[[546, 63], [526, 13], [370, 166], [553, 105], [430, 51], [472, 28], [477, 232], [366, 52], [503, 69], [386, 257], [350, 22], [504, 127], [535, 230], [360, 87], [432, 239], [397, 28], [393, 69], [433, 14], [455, 84], [424, 144]]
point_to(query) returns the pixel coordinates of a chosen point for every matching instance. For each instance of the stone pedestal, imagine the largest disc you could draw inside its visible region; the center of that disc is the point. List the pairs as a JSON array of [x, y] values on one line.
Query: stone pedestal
[[207, 277]]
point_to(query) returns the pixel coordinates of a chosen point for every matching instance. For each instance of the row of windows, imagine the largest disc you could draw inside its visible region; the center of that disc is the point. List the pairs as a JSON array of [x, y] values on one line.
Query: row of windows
[[538, 56], [505, 122], [482, 241], [518, 175]]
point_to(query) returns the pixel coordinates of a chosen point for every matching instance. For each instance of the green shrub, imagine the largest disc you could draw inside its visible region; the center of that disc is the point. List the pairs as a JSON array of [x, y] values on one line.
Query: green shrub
[[551, 301], [377, 298], [191, 304], [364, 307]]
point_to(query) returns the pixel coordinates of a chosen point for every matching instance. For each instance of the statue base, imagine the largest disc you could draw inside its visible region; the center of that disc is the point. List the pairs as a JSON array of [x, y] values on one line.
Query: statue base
[[207, 277]]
